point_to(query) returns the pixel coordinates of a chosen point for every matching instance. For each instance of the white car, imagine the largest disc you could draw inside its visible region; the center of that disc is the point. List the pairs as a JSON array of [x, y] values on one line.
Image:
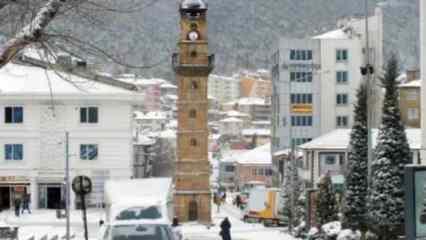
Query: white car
[[136, 230]]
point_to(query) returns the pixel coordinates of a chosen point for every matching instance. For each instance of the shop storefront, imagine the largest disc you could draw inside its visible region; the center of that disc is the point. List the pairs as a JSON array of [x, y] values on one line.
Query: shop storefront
[[12, 188], [51, 195]]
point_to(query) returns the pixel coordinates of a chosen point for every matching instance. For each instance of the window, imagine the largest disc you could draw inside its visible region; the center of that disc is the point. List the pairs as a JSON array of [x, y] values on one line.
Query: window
[[254, 172], [268, 172], [299, 141], [301, 121], [341, 55], [89, 115], [412, 113], [330, 160], [13, 114], [193, 142], [301, 76], [342, 77], [298, 54], [194, 85], [229, 168], [260, 172], [342, 121], [301, 98], [14, 151], [192, 113], [342, 99], [412, 95], [88, 151]]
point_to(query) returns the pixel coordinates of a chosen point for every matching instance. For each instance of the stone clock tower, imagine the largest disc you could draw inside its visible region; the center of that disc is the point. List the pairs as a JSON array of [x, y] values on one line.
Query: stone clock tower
[[192, 65]]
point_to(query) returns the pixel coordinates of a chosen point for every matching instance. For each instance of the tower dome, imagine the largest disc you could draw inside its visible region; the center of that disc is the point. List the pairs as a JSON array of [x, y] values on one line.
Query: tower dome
[[193, 4]]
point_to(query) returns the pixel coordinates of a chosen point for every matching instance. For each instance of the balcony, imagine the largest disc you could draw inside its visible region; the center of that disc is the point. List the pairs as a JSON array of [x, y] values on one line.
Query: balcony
[[193, 68]]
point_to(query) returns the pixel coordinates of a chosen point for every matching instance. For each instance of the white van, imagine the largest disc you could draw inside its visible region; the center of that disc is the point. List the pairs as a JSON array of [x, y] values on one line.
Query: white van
[[139, 209]]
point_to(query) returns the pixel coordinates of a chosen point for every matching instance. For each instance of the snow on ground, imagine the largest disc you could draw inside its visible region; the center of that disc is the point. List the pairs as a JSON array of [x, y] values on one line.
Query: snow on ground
[[44, 222]]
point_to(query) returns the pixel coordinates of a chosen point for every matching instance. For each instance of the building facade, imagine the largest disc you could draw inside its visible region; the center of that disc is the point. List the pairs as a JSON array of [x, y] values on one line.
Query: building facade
[[224, 88], [33, 123], [409, 103], [193, 64], [315, 81], [423, 74], [255, 84]]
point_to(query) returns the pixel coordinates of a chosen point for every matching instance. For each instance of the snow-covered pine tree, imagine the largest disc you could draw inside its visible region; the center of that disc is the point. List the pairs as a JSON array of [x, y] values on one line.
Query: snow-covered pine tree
[[327, 209], [356, 182], [392, 153], [292, 185]]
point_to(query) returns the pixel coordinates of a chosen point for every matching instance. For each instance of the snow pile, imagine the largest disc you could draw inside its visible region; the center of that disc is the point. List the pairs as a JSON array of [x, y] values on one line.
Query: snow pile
[[332, 229], [348, 234]]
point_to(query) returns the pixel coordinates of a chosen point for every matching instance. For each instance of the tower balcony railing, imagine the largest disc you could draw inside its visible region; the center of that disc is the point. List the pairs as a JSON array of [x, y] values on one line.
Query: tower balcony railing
[[192, 67]]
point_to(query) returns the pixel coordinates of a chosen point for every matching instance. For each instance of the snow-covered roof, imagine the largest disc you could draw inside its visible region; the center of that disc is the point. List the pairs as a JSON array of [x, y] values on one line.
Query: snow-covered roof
[[234, 113], [248, 101], [193, 4], [171, 96], [21, 80], [335, 34], [261, 122], [414, 83], [339, 139], [259, 155], [154, 115], [168, 85], [256, 131], [168, 133], [144, 140], [232, 155], [287, 152], [231, 119], [157, 189], [141, 81]]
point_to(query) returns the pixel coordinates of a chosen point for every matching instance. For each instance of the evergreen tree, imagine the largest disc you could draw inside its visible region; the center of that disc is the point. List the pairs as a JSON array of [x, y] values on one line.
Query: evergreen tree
[[392, 153], [326, 202], [292, 191], [356, 182]]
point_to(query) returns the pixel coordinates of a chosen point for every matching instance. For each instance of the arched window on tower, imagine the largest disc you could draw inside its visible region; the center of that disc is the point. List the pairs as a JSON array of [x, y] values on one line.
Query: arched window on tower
[[194, 85], [192, 113], [193, 142]]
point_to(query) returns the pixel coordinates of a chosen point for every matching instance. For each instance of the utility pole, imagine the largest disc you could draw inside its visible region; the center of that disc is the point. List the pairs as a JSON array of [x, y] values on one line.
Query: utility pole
[[368, 71], [67, 185]]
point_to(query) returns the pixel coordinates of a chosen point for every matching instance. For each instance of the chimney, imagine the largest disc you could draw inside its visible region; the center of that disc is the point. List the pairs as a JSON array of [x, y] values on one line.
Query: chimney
[[413, 74]]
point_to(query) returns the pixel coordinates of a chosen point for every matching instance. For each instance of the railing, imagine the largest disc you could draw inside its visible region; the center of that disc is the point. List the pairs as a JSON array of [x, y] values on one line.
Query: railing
[[176, 63]]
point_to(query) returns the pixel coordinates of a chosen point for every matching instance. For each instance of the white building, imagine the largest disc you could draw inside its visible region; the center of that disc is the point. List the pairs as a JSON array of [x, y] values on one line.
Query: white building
[[223, 88], [329, 153], [231, 126], [423, 74], [37, 107], [315, 81]]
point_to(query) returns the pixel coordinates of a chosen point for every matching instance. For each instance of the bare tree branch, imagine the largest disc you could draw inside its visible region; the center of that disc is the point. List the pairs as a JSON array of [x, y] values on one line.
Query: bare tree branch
[[32, 33]]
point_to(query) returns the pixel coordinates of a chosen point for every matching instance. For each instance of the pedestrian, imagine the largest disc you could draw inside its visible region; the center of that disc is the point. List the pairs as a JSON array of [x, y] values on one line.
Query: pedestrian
[[26, 204], [224, 197], [177, 230], [225, 229], [238, 201], [17, 206]]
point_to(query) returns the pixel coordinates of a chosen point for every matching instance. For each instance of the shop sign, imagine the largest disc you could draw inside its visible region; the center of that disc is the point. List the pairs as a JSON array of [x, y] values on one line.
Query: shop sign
[[301, 108], [20, 189], [7, 179], [415, 204]]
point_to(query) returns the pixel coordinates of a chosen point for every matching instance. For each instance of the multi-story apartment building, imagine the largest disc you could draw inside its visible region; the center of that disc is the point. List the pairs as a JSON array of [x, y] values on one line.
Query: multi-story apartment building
[[255, 84], [223, 88], [423, 75], [37, 107], [259, 109], [315, 81]]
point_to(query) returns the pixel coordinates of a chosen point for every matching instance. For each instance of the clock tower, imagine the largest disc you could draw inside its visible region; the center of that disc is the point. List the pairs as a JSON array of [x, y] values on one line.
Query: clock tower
[[192, 65]]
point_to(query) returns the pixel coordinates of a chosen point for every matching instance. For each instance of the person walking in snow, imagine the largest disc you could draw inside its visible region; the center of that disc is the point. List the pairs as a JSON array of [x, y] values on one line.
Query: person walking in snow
[[26, 204], [17, 206], [177, 230], [225, 229]]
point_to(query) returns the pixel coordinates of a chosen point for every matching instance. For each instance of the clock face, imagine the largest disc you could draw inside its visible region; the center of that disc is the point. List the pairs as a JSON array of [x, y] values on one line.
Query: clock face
[[193, 36]]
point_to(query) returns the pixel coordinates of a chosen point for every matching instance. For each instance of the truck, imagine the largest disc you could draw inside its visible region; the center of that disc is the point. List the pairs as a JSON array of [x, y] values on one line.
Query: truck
[[138, 209], [263, 206]]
